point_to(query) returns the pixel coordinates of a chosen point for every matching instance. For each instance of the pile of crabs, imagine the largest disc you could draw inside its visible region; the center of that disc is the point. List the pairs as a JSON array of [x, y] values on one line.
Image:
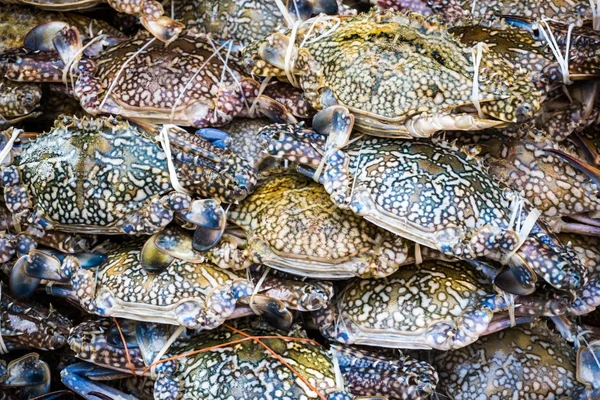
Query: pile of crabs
[[301, 199]]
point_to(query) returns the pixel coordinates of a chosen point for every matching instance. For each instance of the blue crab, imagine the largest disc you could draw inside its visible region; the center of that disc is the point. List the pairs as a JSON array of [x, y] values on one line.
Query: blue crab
[[369, 64], [290, 223], [107, 176], [250, 360], [163, 280], [521, 362], [190, 83], [434, 305], [430, 193]]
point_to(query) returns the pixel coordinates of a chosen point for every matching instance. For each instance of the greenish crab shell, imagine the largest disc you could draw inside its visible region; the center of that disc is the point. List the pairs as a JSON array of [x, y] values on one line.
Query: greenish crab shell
[[195, 295], [388, 68], [248, 370], [86, 174], [291, 224], [90, 175], [437, 305], [518, 362]]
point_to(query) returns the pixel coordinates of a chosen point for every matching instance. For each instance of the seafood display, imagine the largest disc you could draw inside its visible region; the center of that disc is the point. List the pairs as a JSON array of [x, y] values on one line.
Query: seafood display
[[300, 199]]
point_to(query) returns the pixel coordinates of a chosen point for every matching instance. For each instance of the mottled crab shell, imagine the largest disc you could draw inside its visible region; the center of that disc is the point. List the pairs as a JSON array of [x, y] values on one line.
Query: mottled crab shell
[[390, 68], [550, 183], [85, 175], [249, 370], [186, 82], [292, 225], [195, 295], [414, 308], [523, 363], [567, 11]]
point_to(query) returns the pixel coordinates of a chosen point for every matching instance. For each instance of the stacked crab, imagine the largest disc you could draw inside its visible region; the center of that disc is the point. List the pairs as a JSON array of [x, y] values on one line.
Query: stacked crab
[[258, 199]]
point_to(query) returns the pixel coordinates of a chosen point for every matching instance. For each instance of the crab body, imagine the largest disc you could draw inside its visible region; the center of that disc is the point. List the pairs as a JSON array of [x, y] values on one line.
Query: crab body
[[369, 64], [18, 100], [194, 294], [518, 362], [436, 305], [105, 176], [292, 225], [276, 367], [188, 83], [242, 21]]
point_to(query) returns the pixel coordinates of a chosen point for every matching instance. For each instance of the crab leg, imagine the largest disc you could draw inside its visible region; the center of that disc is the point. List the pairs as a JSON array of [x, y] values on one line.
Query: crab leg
[[72, 377]]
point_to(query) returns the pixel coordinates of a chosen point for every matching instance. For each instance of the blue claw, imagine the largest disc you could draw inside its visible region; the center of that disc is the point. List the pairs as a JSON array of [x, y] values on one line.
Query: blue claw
[[73, 378], [216, 137]]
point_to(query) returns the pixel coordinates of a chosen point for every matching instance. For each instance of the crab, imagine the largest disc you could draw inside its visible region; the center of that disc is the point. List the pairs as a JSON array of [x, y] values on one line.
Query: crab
[[248, 360], [369, 64], [548, 181], [434, 305], [107, 176], [457, 12], [259, 363], [527, 44], [162, 280], [150, 13], [392, 376], [26, 324], [521, 362], [189, 83], [27, 374], [20, 100], [430, 193], [291, 224], [241, 21]]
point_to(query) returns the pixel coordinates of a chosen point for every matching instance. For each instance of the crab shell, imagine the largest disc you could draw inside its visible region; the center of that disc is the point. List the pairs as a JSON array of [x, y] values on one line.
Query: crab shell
[[518, 362], [91, 175], [242, 21], [436, 305], [398, 74], [194, 295], [292, 225], [187, 84], [243, 369], [547, 181], [149, 11]]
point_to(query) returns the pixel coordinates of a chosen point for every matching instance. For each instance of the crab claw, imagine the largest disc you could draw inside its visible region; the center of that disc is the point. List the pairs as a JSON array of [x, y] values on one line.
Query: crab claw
[[21, 284], [210, 219], [336, 122], [176, 243], [28, 373], [163, 28], [44, 266], [216, 137], [153, 259], [73, 378], [588, 366], [272, 310], [67, 43], [41, 37], [516, 279]]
